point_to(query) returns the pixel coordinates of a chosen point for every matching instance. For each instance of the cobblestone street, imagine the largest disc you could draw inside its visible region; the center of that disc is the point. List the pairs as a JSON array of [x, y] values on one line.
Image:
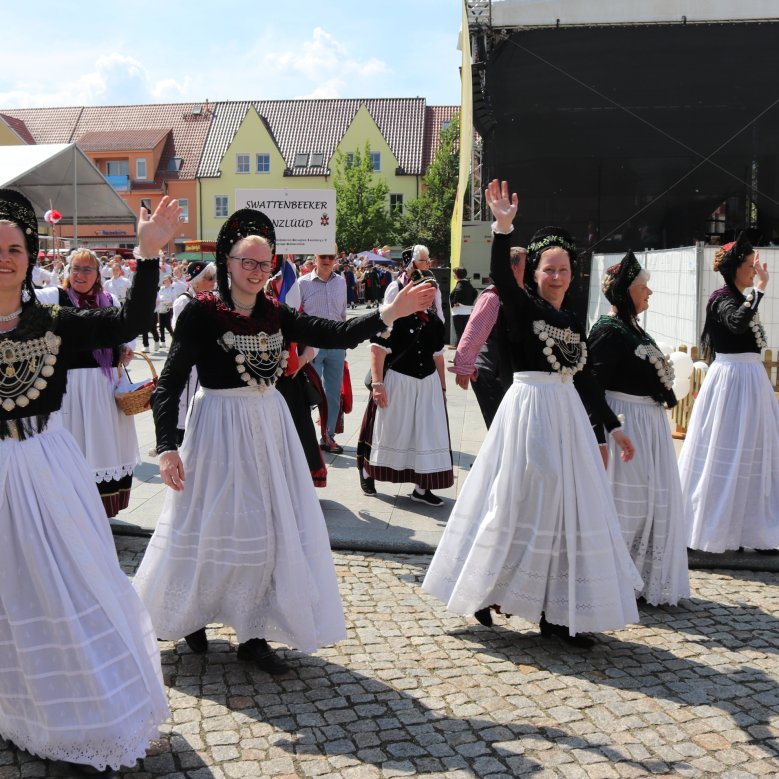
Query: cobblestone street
[[691, 691]]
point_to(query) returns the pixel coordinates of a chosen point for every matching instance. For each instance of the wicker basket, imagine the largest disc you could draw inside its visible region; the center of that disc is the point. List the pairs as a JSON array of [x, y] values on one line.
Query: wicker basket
[[138, 400]]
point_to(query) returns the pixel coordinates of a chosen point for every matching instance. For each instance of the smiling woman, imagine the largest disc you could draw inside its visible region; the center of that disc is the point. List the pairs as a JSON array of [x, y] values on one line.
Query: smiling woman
[[242, 539], [638, 381], [534, 531], [104, 434], [81, 675]]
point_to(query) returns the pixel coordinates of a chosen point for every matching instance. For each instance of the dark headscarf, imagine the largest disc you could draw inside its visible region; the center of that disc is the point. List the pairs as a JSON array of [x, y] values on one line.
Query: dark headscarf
[[16, 208], [616, 283], [241, 224], [543, 239], [735, 253]]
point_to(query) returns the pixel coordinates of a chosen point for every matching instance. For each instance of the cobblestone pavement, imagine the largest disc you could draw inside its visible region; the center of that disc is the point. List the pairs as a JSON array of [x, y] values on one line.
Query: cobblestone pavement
[[691, 691]]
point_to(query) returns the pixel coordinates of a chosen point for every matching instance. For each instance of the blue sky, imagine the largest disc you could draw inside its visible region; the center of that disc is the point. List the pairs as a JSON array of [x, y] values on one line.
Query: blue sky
[[102, 53]]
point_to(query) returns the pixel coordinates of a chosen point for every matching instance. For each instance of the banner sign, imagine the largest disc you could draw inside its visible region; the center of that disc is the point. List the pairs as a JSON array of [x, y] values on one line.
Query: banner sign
[[304, 218]]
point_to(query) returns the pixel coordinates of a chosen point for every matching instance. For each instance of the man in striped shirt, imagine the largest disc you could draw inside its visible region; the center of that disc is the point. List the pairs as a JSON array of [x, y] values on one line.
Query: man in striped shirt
[[323, 294], [478, 360]]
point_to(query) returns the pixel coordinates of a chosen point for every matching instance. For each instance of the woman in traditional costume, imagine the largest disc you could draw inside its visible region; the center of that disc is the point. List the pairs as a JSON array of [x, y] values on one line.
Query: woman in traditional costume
[[80, 678], [729, 463], [105, 435], [639, 388], [534, 530], [404, 435], [242, 541]]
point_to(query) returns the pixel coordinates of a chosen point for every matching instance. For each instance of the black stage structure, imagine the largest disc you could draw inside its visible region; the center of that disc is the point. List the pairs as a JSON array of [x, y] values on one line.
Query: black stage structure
[[633, 136]]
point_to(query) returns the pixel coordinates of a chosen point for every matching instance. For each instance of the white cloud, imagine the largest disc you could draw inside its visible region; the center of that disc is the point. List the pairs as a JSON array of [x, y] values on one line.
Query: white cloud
[[326, 64], [110, 79]]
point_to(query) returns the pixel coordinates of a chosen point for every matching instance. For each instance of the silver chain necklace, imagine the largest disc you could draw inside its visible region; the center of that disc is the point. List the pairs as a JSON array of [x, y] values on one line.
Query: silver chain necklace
[[11, 316]]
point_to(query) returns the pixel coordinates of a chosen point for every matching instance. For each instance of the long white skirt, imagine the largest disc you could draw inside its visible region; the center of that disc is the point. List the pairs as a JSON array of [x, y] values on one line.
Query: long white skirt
[[245, 543], [729, 463], [648, 497], [411, 435], [104, 434], [535, 528], [80, 675]]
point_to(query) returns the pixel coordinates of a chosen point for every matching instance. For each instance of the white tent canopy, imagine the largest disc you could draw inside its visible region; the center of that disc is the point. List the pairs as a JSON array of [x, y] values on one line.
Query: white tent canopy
[[547, 13], [61, 176]]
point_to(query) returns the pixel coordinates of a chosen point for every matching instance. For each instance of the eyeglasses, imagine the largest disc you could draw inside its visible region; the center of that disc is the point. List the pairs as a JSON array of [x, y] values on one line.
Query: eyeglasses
[[82, 270], [423, 259], [247, 263]]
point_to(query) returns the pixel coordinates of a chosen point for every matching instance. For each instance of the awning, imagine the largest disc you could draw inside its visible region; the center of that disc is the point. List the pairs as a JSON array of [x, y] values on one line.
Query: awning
[[61, 176]]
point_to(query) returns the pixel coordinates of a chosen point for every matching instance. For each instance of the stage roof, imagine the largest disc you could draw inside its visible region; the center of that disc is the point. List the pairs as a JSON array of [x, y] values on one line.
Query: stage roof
[[550, 13]]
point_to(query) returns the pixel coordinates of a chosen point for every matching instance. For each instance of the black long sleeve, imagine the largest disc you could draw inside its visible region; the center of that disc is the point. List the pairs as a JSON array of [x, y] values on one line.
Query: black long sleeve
[[197, 341], [49, 340]]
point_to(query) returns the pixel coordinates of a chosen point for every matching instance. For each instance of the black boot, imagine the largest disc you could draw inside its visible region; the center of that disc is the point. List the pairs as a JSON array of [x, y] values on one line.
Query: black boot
[[484, 616], [197, 641], [257, 651], [549, 629], [367, 484]]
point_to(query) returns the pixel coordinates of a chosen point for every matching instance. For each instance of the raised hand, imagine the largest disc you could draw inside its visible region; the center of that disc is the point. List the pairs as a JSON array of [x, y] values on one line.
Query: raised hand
[[155, 230], [503, 208], [761, 270]]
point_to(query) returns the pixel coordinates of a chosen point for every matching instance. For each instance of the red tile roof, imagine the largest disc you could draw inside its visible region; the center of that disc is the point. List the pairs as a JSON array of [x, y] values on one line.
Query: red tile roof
[[317, 126], [122, 140], [187, 124], [19, 127], [435, 118], [200, 133]]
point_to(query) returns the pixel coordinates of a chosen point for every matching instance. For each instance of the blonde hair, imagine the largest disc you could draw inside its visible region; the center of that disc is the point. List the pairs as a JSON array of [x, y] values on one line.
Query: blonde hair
[[83, 254]]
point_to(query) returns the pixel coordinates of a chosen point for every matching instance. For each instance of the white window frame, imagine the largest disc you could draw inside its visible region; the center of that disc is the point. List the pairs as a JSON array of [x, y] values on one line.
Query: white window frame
[[241, 158], [397, 206], [184, 206], [376, 161], [217, 210], [123, 163], [265, 158], [141, 172]]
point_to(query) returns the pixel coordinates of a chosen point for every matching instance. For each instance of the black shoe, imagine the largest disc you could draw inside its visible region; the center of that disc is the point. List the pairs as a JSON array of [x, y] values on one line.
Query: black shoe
[[197, 641], [549, 629], [368, 485], [257, 651], [331, 446], [484, 616], [81, 769], [426, 497]]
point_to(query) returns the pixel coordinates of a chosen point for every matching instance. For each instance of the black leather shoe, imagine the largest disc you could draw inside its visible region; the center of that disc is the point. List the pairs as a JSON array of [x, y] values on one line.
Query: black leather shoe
[[197, 641], [257, 651], [484, 616], [80, 769], [368, 485], [549, 629]]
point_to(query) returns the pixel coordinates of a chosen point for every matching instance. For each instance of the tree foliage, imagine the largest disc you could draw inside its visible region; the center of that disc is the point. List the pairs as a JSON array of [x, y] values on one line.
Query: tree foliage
[[362, 215], [428, 219]]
